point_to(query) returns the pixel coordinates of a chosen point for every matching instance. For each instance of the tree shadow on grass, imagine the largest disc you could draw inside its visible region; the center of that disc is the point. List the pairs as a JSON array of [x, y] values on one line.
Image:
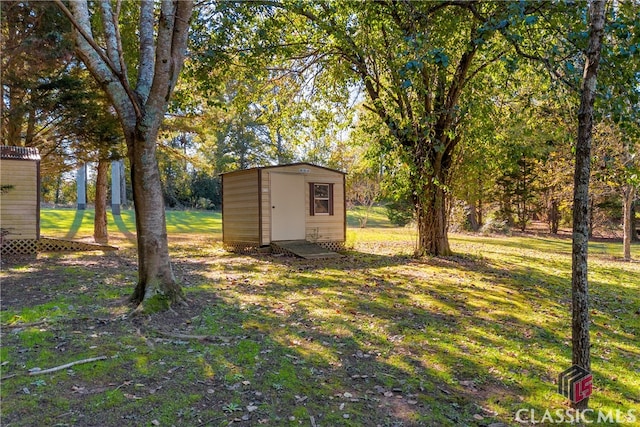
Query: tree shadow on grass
[[122, 227], [520, 306], [194, 222], [75, 225], [364, 341]]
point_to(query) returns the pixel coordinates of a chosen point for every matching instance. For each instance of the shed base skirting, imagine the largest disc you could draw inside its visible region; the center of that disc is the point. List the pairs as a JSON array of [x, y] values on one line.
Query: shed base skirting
[[332, 246], [19, 247], [243, 247], [254, 248], [45, 244]]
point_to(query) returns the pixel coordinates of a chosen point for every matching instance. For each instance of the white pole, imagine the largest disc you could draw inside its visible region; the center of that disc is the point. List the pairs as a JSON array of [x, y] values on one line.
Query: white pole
[[115, 187], [81, 181]]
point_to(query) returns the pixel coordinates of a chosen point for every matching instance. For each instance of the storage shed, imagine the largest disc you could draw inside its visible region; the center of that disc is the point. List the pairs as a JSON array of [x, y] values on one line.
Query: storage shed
[[297, 201], [20, 199]]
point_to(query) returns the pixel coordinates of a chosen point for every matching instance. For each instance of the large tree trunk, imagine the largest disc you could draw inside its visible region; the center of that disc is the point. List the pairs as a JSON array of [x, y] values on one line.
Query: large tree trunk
[[581, 355], [58, 189], [162, 40], [100, 233], [628, 196], [472, 217], [590, 216], [430, 202], [156, 282], [431, 214], [554, 216]]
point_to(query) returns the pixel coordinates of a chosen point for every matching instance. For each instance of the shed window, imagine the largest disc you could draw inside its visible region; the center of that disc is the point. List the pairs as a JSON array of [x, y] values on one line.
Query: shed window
[[321, 199]]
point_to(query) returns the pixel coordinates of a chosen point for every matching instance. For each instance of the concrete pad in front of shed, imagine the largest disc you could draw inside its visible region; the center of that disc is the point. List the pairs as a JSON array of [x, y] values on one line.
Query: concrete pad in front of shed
[[305, 249]]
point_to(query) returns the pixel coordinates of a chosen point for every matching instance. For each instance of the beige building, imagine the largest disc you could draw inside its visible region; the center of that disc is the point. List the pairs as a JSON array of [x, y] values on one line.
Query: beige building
[[298, 201], [20, 199]]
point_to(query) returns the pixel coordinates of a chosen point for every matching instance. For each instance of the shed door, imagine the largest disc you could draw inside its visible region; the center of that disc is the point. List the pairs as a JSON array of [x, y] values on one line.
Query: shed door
[[287, 207]]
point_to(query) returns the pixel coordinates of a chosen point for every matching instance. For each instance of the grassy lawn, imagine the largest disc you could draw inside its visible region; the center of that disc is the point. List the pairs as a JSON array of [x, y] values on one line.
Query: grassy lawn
[[74, 224], [374, 338]]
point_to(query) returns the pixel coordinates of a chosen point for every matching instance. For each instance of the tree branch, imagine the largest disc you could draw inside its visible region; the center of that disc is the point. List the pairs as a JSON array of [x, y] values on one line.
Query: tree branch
[[163, 60], [85, 33], [475, 72], [110, 34], [146, 51], [400, 98], [86, 45], [67, 365], [123, 65], [545, 61], [172, 34]]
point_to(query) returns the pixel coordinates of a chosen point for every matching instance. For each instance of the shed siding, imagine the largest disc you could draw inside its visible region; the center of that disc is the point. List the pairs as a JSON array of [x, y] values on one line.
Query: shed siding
[[247, 204], [240, 207], [266, 207], [319, 228], [19, 205], [326, 228]]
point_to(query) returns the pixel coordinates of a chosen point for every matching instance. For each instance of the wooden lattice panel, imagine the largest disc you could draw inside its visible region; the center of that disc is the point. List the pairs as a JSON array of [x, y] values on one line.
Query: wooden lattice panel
[[19, 247], [242, 247], [46, 244], [332, 246]]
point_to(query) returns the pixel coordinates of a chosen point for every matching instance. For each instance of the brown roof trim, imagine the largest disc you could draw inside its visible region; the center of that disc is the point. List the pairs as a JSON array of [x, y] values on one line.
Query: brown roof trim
[[19, 153], [286, 165]]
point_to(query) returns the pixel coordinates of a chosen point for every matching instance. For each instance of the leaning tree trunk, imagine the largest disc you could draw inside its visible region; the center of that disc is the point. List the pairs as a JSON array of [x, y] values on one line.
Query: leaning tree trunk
[[100, 232], [581, 355], [157, 285], [628, 197]]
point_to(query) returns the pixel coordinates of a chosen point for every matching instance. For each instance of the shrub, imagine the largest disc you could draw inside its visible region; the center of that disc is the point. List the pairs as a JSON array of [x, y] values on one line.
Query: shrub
[[496, 226], [400, 212]]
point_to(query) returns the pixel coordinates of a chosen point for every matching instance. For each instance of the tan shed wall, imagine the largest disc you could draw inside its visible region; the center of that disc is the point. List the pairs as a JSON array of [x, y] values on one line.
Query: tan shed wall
[[326, 228], [19, 205], [319, 228], [266, 207], [240, 207]]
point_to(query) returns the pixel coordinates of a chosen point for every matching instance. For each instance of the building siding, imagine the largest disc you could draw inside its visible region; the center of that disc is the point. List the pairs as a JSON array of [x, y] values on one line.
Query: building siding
[[19, 205], [326, 228], [246, 197], [240, 209], [265, 222]]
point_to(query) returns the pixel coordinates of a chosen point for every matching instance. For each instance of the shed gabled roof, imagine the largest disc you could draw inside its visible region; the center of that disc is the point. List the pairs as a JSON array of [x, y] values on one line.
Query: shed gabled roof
[[286, 165], [19, 153]]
